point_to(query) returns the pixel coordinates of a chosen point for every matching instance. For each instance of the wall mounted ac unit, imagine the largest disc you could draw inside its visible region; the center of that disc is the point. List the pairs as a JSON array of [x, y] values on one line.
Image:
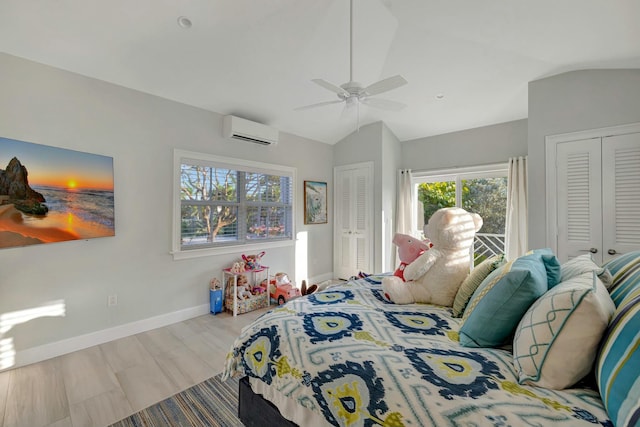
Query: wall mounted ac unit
[[246, 130]]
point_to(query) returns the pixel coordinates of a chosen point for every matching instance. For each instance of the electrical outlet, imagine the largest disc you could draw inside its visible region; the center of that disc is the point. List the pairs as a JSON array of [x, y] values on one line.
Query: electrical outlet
[[112, 300]]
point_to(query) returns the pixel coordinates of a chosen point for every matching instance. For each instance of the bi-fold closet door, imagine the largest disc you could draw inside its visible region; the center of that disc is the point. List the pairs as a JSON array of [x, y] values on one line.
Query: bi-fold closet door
[[594, 194], [353, 235]]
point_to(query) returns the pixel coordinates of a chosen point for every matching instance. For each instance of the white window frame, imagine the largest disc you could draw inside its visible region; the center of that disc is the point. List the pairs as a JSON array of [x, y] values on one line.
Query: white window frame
[[181, 157], [451, 174]]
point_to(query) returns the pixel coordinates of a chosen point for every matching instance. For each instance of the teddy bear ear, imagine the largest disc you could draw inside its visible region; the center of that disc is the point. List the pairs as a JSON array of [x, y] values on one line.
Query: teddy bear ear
[[477, 219]]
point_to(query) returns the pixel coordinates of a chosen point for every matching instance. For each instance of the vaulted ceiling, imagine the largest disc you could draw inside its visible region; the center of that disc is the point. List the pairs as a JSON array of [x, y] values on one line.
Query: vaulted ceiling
[[256, 58]]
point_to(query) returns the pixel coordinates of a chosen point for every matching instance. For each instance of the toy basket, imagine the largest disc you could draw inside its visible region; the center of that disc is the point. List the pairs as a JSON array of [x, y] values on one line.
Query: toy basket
[[249, 304]]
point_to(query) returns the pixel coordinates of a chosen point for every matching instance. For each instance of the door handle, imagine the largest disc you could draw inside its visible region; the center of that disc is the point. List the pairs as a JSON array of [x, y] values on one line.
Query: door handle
[[612, 252], [592, 250]]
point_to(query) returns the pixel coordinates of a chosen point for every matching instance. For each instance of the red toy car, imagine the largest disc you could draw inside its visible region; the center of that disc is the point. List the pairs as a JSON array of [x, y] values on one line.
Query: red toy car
[[282, 290]]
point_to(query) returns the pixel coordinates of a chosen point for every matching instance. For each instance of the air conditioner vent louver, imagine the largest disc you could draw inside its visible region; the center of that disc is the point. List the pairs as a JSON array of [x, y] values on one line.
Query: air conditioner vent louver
[[246, 130], [246, 138]]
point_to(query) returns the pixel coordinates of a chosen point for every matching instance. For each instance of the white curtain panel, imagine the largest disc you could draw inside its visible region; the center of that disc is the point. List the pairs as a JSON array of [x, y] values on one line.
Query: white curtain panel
[[516, 225], [404, 220]]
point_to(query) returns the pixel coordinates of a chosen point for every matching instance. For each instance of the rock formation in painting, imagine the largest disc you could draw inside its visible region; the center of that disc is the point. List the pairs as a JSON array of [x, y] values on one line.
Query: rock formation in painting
[[15, 184]]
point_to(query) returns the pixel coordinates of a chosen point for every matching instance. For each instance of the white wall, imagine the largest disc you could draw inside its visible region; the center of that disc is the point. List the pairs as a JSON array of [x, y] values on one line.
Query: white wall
[[365, 145], [391, 161], [569, 102], [375, 142], [472, 147], [48, 106]]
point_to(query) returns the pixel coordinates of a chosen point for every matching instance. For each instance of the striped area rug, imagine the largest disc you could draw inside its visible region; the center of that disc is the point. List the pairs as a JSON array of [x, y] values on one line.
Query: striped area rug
[[211, 403]]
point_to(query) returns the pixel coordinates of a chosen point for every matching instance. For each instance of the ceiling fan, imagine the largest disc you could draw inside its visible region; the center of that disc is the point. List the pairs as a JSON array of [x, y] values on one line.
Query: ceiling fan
[[353, 93]]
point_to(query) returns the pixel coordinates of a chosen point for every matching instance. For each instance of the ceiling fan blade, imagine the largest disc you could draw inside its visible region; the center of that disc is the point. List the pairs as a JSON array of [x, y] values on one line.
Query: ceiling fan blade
[[385, 85], [333, 88], [384, 104], [319, 104]]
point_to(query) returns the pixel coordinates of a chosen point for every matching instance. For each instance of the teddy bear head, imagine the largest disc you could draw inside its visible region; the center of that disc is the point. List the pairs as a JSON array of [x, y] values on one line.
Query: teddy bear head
[[409, 248], [452, 228]]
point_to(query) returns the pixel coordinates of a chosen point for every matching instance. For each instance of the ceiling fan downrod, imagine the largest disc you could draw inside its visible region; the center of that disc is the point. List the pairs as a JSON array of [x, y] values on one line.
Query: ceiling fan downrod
[[353, 92]]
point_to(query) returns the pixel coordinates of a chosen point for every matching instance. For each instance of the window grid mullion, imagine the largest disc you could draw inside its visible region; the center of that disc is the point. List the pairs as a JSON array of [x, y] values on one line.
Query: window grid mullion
[[278, 211], [484, 249], [242, 207]]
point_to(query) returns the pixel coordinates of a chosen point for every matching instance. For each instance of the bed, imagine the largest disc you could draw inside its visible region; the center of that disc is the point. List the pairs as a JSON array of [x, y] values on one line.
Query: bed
[[348, 357]]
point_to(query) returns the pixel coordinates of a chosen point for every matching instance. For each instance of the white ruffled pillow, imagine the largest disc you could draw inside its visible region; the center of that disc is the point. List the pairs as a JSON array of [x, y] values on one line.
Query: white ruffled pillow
[[583, 264]]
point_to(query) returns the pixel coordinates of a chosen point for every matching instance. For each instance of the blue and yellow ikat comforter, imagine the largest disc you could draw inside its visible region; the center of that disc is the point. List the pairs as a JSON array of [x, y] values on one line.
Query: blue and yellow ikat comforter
[[359, 360]]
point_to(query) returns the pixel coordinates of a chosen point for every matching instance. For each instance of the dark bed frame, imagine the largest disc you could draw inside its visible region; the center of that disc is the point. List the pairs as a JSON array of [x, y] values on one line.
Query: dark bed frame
[[255, 411]]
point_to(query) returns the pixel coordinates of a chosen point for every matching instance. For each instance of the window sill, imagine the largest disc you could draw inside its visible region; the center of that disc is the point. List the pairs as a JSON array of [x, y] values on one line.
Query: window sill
[[231, 249]]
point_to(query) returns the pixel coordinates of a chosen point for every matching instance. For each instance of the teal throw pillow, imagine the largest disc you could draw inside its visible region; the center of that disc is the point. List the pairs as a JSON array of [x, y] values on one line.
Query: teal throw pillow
[[496, 307], [551, 265]]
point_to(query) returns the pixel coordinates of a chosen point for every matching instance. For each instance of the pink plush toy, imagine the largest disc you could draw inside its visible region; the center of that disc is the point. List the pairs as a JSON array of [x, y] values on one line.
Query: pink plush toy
[[409, 248]]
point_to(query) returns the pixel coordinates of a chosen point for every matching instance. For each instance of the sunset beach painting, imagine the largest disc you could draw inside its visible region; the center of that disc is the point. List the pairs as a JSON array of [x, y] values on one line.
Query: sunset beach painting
[[50, 194]]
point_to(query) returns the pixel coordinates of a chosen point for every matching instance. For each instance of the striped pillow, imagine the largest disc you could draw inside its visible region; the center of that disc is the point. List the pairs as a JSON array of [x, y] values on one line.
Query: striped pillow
[[618, 363], [473, 280], [625, 271]]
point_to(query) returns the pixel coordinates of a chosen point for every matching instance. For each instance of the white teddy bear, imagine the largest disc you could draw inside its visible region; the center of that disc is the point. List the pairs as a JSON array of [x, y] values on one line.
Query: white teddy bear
[[435, 276]]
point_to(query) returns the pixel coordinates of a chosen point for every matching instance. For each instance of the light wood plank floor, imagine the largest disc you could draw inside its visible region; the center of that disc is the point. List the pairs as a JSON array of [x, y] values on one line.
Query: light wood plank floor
[[103, 384]]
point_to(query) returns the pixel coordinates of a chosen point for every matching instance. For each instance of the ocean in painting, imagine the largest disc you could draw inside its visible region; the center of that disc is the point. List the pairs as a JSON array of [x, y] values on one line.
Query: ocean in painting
[[77, 188], [94, 206]]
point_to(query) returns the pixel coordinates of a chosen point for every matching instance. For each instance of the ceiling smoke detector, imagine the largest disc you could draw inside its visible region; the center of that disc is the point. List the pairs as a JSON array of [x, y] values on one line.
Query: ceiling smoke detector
[[184, 22]]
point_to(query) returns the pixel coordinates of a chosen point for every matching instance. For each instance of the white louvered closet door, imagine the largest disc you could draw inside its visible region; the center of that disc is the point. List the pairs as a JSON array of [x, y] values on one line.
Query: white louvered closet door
[[598, 196], [354, 234], [620, 194], [579, 198]]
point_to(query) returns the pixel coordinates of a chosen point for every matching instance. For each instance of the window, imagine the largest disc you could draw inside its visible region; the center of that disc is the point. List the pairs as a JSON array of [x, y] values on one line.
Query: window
[[482, 190], [223, 202]]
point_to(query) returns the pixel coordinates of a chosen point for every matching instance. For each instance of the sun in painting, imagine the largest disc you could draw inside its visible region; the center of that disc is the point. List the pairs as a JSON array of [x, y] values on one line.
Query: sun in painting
[[72, 184]]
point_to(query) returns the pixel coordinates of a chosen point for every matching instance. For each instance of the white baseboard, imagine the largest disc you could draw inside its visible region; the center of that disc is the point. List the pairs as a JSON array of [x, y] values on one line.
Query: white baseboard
[[58, 348]]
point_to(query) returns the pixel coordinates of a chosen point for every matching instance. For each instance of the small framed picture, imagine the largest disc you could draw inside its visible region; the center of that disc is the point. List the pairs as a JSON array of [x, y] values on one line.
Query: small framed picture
[[315, 202]]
